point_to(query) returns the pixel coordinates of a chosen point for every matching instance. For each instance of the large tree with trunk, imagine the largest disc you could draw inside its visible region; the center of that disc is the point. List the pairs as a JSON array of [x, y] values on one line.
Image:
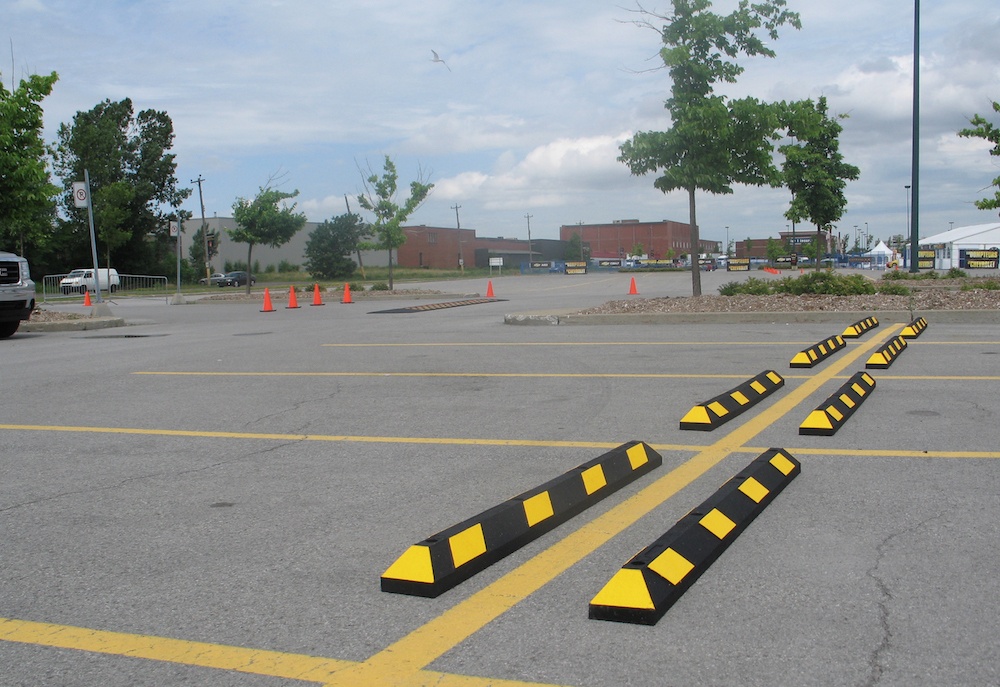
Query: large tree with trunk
[[714, 142]]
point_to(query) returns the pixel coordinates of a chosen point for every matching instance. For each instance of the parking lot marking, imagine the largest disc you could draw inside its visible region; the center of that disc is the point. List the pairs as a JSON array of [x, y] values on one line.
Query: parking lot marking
[[456, 441], [528, 344], [201, 654], [425, 644], [278, 664]]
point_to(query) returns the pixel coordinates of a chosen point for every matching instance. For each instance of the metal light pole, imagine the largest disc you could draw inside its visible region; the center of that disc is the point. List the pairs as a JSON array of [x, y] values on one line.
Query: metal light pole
[[915, 163], [912, 254]]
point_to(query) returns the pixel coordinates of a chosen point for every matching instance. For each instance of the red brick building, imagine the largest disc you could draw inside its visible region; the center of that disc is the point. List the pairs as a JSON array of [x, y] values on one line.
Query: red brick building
[[619, 238], [447, 248], [437, 247], [790, 243]]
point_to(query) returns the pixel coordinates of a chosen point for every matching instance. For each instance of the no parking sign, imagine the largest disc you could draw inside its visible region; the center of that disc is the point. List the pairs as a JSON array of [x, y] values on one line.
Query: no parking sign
[[80, 194]]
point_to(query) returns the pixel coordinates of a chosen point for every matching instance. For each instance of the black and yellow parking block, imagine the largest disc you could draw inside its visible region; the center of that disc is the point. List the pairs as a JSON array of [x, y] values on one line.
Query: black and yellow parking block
[[817, 353], [717, 411], [860, 327], [649, 584], [914, 329], [884, 356], [835, 411], [438, 563]]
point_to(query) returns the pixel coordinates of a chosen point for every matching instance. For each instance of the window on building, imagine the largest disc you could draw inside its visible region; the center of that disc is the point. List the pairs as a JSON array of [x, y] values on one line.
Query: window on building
[[432, 237]]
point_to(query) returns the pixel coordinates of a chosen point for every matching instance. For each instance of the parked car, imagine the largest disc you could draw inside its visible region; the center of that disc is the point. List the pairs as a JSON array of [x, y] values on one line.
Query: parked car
[[236, 279], [214, 279]]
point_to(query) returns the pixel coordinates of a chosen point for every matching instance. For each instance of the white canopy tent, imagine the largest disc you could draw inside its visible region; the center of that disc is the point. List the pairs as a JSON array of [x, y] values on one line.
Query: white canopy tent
[[880, 255]]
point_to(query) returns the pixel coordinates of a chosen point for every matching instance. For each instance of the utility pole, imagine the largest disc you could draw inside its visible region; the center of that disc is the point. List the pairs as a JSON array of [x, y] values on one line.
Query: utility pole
[[458, 227], [204, 232], [528, 217]]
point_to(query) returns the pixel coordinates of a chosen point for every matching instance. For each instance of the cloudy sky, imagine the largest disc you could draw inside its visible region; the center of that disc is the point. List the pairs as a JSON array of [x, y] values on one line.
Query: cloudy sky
[[527, 112]]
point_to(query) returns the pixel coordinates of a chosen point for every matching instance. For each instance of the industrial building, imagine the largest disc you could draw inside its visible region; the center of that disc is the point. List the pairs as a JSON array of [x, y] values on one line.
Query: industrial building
[[658, 240]]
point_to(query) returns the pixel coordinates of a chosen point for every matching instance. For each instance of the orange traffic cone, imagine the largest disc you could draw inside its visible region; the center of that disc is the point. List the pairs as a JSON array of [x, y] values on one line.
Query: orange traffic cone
[[292, 300], [317, 299], [347, 294], [632, 291], [267, 301], [86, 299], [489, 289]]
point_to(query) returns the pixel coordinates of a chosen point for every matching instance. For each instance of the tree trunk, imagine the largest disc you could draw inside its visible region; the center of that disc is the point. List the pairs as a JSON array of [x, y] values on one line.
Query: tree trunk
[[695, 246], [390, 269], [819, 247], [249, 273]]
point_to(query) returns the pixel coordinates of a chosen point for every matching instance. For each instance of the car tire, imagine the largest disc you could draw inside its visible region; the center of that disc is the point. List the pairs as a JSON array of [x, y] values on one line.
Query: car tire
[[8, 328]]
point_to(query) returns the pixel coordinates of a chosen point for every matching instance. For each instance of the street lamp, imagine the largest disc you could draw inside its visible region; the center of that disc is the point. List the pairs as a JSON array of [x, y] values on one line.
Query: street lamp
[[727, 241]]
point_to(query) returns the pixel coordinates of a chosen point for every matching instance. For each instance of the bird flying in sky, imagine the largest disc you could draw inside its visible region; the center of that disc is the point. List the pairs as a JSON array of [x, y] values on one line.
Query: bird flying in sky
[[436, 58]]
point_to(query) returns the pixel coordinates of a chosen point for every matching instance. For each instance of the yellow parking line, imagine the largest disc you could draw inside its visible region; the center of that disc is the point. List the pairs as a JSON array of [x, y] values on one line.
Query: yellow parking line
[[516, 344], [255, 661], [205, 655], [513, 375]]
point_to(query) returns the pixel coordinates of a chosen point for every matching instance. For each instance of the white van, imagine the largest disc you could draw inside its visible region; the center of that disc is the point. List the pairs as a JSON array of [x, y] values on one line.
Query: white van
[[82, 279]]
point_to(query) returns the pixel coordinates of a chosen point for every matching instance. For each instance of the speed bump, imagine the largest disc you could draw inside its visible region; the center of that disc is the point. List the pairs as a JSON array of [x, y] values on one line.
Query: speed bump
[[438, 563], [817, 353], [717, 411], [886, 354], [860, 327], [914, 329], [649, 584], [835, 411]]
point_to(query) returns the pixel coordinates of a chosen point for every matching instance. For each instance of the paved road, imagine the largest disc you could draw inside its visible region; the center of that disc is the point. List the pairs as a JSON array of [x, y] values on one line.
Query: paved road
[[210, 495]]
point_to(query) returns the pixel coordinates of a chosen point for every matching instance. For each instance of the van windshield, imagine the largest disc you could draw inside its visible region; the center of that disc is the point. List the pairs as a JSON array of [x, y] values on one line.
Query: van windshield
[[76, 273]]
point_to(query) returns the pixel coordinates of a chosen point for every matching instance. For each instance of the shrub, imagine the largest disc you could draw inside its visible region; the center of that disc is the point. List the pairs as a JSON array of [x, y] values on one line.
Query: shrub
[[894, 289], [378, 286], [956, 273], [987, 285], [752, 286], [829, 283]]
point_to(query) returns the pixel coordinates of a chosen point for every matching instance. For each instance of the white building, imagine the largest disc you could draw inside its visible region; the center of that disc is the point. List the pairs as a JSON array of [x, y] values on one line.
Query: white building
[[973, 247]]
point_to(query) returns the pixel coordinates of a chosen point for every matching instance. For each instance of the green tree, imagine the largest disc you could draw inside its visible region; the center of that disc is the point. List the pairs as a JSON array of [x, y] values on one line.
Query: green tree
[[637, 249], [196, 249], [133, 187], [27, 195], [265, 220], [714, 142], [984, 129], [330, 245], [774, 250], [576, 249], [813, 168], [379, 198]]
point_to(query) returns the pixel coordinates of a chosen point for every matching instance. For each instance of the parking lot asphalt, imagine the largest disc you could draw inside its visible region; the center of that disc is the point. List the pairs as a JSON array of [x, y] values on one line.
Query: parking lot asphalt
[[210, 495]]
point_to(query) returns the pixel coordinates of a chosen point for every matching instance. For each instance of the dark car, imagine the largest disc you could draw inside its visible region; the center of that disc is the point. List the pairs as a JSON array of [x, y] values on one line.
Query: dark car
[[236, 279]]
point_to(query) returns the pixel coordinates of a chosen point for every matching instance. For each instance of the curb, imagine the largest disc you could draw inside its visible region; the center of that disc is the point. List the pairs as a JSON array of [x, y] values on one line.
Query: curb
[[80, 325], [808, 316]]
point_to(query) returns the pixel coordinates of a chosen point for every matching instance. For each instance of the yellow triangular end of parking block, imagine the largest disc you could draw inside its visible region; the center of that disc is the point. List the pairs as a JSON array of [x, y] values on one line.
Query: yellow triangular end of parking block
[[627, 589], [801, 358], [414, 566], [877, 358], [818, 419], [697, 416]]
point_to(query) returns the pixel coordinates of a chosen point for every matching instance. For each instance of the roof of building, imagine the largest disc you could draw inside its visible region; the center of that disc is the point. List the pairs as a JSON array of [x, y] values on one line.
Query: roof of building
[[974, 233]]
